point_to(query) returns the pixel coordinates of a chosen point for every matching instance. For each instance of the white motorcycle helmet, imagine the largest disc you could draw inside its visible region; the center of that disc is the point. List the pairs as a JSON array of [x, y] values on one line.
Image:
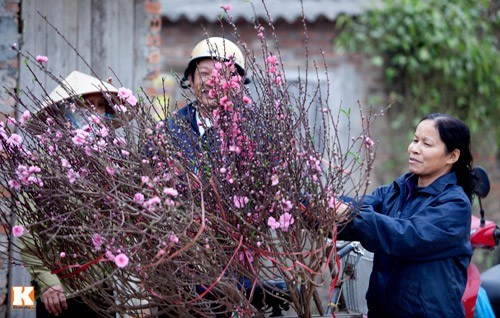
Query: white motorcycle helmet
[[215, 48]]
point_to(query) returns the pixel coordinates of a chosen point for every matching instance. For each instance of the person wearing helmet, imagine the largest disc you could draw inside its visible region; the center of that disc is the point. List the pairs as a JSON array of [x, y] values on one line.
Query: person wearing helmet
[[202, 62], [208, 57], [215, 63]]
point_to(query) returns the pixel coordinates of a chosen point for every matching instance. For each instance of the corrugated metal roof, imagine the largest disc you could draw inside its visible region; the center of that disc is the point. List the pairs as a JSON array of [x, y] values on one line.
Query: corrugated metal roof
[[289, 10]]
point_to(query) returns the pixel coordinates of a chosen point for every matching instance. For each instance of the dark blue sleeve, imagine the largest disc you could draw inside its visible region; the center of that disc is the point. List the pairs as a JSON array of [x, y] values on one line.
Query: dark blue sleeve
[[431, 232], [375, 199]]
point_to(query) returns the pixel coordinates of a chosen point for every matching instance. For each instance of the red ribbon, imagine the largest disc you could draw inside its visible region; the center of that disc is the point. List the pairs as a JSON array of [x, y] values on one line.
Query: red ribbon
[[80, 269]]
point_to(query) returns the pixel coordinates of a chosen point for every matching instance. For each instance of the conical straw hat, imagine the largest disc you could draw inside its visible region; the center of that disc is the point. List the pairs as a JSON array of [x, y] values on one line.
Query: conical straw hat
[[77, 84]]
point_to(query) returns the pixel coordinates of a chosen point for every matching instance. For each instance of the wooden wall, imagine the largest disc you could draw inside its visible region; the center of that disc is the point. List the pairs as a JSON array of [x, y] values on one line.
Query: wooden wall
[[109, 35]]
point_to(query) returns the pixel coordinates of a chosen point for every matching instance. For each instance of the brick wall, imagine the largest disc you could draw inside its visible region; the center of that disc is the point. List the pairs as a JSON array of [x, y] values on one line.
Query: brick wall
[[179, 38], [366, 86], [151, 45]]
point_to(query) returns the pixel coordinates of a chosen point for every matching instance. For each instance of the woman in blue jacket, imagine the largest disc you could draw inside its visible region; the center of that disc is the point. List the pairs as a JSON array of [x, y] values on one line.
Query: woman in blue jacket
[[419, 226]]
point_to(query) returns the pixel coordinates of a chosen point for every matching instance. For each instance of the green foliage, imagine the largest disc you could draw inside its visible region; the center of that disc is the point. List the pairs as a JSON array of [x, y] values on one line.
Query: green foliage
[[438, 56]]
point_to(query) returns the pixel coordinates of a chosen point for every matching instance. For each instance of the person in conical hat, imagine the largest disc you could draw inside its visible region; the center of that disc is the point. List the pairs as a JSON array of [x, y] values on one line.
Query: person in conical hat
[[79, 83], [72, 101], [79, 91]]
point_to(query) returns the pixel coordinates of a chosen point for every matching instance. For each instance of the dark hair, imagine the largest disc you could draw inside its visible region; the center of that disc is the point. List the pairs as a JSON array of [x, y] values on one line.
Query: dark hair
[[456, 135]]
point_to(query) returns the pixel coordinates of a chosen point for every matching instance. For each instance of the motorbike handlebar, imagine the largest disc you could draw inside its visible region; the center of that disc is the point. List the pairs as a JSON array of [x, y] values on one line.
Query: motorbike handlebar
[[350, 247]]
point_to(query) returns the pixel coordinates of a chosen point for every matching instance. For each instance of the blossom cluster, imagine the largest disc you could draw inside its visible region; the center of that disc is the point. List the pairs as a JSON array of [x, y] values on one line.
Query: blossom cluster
[[128, 201]]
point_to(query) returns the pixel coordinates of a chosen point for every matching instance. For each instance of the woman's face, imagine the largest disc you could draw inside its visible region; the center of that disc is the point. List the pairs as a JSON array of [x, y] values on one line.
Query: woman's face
[[96, 102], [428, 157]]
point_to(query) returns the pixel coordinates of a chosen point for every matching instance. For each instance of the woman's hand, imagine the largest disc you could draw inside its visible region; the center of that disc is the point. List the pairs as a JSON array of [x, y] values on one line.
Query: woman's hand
[[342, 212], [55, 300]]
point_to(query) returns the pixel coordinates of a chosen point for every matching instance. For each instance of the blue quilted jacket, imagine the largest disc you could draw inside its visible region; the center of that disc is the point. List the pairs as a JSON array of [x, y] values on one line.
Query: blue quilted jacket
[[421, 243]]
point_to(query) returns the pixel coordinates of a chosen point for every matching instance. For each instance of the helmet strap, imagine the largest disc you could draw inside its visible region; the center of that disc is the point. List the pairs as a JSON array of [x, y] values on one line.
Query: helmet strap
[[185, 84]]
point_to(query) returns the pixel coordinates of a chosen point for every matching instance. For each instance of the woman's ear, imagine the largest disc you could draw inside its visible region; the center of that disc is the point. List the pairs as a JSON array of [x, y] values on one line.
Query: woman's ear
[[453, 156]]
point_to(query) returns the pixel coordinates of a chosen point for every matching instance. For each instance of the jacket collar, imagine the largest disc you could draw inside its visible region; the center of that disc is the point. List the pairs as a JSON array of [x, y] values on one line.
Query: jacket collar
[[190, 114], [435, 187]]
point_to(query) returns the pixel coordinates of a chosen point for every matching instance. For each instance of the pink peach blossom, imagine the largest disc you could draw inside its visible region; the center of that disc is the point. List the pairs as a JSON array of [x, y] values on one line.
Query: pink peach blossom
[[272, 60], [273, 224], [15, 140], [121, 260], [240, 201], [286, 220], [274, 179], [24, 117], [139, 198], [173, 238], [124, 93], [246, 256], [34, 169], [41, 58], [171, 192], [83, 173], [132, 100], [103, 131], [88, 151], [95, 119], [110, 171], [78, 140], [332, 202], [65, 163], [17, 231], [120, 108], [149, 203], [110, 255], [119, 141], [97, 241], [72, 175], [369, 142], [14, 184], [286, 205]]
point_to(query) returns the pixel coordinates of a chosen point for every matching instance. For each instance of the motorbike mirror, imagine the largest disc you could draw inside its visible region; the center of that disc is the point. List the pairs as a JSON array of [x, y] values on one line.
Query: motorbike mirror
[[482, 182]]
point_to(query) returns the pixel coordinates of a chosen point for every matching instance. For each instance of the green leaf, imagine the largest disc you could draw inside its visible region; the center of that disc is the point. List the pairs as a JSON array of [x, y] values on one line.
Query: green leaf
[[439, 55], [378, 61]]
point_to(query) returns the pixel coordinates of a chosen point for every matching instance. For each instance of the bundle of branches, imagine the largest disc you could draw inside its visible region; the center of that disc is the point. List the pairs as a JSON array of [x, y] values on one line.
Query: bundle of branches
[[140, 218]]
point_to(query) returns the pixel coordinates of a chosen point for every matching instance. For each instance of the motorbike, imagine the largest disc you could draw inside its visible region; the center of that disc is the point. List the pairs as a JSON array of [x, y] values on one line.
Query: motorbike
[[484, 235]]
